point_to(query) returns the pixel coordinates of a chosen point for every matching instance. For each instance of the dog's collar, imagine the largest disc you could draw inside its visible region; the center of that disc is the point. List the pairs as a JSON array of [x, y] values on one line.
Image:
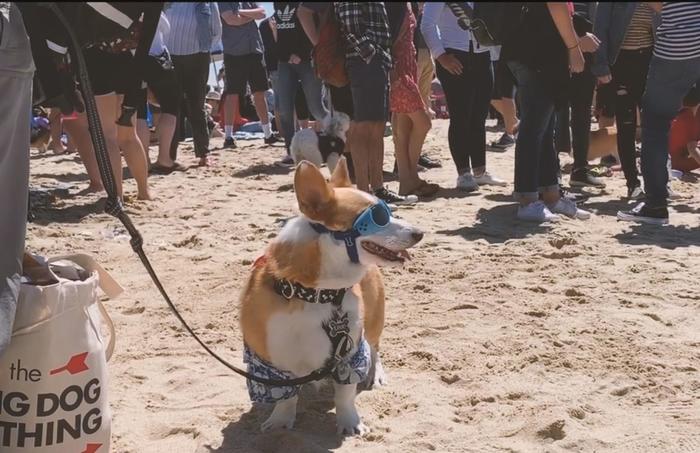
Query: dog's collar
[[349, 237], [290, 290]]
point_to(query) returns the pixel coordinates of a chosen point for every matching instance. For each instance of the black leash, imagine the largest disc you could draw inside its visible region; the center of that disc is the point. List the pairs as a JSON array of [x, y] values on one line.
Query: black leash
[[114, 208]]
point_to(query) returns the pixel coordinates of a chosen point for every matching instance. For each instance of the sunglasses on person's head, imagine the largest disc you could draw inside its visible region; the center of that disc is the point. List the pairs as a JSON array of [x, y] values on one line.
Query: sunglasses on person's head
[[373, 219]]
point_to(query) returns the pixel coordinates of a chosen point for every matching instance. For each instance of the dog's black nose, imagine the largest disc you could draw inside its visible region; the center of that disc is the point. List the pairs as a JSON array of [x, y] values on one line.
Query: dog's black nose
[[417, 236]]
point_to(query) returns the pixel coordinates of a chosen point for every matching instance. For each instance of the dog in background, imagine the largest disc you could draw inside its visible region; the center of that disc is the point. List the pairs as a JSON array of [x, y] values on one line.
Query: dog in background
[[324, 147]]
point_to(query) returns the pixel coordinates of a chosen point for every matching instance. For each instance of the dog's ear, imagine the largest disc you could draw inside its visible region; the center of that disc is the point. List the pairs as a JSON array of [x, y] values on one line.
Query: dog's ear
[[313, 193], [341, 175]]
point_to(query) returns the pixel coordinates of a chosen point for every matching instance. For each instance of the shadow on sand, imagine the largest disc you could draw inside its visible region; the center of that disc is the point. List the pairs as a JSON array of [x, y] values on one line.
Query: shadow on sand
[[314, 430]]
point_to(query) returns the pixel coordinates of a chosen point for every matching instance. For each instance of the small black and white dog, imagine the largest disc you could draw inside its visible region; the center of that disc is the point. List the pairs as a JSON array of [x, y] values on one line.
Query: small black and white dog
[[325, 147]]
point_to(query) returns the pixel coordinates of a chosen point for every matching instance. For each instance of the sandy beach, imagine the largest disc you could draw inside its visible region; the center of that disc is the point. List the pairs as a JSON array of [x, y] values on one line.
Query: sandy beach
[[501, 336]]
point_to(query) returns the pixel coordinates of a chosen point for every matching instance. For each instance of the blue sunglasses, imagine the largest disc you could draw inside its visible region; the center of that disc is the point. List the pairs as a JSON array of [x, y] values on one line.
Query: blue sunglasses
[[370, 221], [373, 219]]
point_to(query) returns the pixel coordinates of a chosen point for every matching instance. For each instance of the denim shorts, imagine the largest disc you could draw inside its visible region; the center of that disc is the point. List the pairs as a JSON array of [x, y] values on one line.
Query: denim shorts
[[369, 83]]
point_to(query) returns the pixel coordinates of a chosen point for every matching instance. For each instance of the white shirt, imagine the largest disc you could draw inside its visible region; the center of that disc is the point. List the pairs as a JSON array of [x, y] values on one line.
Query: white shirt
[[441, 30], [158, 44]]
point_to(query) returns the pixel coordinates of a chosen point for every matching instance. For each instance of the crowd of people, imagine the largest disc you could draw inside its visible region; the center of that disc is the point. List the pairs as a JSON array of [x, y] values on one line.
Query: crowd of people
[[375, 61]]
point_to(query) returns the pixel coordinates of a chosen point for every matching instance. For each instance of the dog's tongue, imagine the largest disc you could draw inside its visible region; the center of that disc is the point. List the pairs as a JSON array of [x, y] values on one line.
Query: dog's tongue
[[404, 254]]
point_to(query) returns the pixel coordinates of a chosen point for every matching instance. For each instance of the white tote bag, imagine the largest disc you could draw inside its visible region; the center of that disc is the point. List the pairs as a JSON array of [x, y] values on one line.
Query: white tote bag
[[53, 376]]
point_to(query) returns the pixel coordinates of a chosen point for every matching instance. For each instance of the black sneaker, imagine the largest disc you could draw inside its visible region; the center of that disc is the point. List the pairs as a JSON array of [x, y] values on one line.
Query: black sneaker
[[427, 162], [272, 139], [583, 178], [504, 142], [230, 143], [390, 197], [645, 214]]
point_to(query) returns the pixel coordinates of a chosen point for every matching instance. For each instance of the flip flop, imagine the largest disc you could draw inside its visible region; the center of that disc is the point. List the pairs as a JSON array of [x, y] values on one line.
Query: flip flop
[[157, 169]]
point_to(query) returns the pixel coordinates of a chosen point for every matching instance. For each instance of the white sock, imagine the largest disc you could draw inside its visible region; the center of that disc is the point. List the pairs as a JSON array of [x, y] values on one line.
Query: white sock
[[267, 130], [229, 130]]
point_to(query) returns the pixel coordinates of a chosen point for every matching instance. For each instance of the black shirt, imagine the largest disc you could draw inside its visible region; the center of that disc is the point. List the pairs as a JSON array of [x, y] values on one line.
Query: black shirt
[[270, 45], [291, 38]]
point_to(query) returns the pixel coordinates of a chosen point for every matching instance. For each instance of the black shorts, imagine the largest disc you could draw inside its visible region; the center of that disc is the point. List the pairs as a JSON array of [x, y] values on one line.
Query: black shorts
[[369, 83], [341, 99], [245, 69], [163, 84], [108, 72], [503, 81]]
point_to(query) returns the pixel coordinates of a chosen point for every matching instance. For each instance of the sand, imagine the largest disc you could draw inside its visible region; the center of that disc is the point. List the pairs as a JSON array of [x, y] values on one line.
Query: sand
[[501, 336]]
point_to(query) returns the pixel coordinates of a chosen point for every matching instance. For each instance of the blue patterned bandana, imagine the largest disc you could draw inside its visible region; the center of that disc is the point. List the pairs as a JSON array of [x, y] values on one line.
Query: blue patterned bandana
[[351, 370]]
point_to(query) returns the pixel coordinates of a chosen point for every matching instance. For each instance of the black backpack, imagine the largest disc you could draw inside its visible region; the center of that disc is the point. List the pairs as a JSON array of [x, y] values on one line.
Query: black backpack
[[491, 23]]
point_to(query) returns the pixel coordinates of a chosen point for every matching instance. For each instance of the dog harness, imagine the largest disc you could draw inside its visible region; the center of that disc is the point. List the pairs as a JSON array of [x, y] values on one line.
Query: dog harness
[[346, 369]]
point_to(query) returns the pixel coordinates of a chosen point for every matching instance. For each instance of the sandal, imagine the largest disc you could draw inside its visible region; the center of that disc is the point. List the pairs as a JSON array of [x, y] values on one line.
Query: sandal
[[426, 190], [158, 169]]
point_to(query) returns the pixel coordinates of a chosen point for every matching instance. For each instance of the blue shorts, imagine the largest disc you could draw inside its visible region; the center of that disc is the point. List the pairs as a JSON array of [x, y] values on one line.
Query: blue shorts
[[351, 370]]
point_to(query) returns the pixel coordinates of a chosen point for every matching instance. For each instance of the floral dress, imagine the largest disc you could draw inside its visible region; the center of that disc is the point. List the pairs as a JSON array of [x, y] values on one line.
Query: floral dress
[[404, 92]]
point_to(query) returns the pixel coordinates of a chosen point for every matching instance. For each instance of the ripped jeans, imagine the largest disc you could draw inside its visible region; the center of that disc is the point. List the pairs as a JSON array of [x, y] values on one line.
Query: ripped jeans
[[629, 76]]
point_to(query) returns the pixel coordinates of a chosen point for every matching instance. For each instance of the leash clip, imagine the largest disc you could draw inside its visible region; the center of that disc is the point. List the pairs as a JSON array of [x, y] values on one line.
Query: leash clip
[[287, 289]]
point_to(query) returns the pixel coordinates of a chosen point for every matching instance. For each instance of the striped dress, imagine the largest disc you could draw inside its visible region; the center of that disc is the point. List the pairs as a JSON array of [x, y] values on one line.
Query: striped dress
[[678, 36]]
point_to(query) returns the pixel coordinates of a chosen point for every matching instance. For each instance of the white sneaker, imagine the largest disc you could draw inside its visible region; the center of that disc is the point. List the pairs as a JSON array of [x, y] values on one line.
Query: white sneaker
[[536, 211], [636, 194], [467, 183], [569, 209], [488, 180]]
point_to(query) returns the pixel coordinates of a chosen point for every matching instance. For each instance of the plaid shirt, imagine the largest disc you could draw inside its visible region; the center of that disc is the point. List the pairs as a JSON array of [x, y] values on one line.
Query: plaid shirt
[[366, 29]]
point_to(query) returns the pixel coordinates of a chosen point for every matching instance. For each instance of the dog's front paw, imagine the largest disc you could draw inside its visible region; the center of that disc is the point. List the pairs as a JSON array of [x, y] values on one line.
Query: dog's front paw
[[277, 422], [283, 416], [351, 426]]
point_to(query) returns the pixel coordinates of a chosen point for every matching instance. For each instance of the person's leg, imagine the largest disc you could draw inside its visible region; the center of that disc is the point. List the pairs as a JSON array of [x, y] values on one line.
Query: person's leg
[[548, 165], [414, 126], [301, 109], [56, 129], [480, 80], [258, 86], [504, 93], [426, 74], [179, 68], [562, 133], [196, 91], [108, 108], [134, 155], [144, 135], [375, 147], [16, 70], [274, 77], [312, 87], [360, 153], [667, 83], [287, 83], [234, 87], [78, 129], [166, 130], [624, 75], [401, 126], [454, 87], [536, 110], [583, 85]]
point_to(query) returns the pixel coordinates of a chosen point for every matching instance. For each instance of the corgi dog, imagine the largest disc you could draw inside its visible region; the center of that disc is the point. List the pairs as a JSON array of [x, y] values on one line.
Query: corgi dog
[[317, 298], [324, 147]]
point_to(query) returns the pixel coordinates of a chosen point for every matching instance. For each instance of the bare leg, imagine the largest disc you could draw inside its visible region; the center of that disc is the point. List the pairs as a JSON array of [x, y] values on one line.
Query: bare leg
[[108, 106], [231, 109], [78, 131], [166, 130], [402, 126], [506, 107], [261, 107], [375, 149], [421, 127], [135, 156], [360, 153], [56, 129], [144, 135]]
